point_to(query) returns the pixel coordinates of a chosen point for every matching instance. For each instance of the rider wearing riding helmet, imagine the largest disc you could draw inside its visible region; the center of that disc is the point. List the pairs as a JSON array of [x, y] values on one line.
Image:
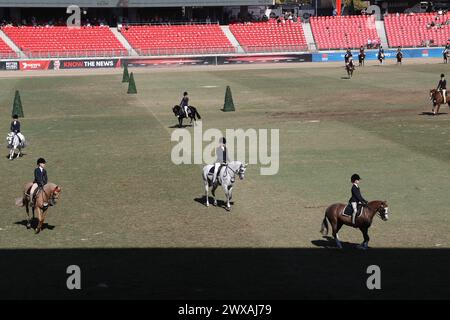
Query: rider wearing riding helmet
[[347, 56], [185, 103], [40, 179], [399, 55], [442, 86], [222, 158], [15, 126], [356, 197], [381, 54]]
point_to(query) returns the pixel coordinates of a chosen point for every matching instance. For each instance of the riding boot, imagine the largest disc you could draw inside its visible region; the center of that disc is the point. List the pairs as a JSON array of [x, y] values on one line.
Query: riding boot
[[354, 219]]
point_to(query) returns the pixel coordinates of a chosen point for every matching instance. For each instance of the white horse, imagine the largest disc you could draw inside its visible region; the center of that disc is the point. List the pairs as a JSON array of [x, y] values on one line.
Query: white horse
[[226, 177], [14, 144]]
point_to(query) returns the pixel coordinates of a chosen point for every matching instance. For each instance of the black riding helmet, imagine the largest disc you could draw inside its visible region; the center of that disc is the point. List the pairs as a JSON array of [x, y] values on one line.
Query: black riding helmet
[[15, 116], [355, 177], [41, 160], [185, 93], [223, 140], [442, 75]]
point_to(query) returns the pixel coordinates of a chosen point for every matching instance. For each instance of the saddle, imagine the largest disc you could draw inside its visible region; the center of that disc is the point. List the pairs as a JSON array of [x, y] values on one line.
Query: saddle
[[211, 173], [348, 210]]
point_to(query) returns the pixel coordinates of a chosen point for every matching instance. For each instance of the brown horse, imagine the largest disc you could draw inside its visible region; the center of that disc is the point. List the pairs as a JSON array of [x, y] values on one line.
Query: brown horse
[[437, 99], [334, 215], [45, 197]]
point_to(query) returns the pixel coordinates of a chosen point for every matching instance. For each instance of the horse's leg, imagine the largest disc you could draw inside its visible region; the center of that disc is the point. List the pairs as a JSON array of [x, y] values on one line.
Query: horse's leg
[[228, 192], [365, 244], [213, 192], [334, 226], [11, 153], [206, 191], [39, 226], [27, 210]]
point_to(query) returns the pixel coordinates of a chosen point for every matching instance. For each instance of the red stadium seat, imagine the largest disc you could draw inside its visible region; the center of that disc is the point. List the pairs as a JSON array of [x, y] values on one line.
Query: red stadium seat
[[6, 51], [270, 36], [343, 31], [65, 42], [407, 30], [178, 39]]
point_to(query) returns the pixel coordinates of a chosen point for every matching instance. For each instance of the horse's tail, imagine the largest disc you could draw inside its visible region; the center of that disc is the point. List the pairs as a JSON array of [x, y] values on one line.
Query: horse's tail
[[197, 114], [324, 227], [20, 202]]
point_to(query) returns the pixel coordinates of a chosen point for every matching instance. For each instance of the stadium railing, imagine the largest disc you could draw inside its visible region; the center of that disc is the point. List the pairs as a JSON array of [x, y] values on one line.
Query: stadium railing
[[76, 54], [9, 55]]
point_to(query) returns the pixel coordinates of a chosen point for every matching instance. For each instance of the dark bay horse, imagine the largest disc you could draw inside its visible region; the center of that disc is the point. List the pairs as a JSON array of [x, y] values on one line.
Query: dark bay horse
[[180, 114], [350, 67], [437, 99], [334, 215], [46, 197], [361, 59]]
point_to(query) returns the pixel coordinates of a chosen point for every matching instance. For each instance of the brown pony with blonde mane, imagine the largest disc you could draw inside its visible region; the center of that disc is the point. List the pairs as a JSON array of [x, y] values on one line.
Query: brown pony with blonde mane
[[45, 197]]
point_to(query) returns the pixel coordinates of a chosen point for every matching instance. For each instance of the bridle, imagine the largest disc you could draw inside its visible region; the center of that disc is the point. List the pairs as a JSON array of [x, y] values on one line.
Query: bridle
[[238, 171]]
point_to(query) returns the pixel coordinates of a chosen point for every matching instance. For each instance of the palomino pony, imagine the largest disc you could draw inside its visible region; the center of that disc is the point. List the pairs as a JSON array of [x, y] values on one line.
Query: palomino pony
[[14, 144], [334, 215], [45, 198], [180, 114], [226, 177], [437, 99]]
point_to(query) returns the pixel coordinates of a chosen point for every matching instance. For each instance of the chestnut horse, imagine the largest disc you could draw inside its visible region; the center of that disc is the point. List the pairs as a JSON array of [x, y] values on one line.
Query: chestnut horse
[[437, 99], [334, 215], [46, 197]]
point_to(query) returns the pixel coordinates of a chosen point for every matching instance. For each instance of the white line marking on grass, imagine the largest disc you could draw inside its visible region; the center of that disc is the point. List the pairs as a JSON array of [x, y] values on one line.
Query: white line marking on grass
[[208, 87], [313, 121]]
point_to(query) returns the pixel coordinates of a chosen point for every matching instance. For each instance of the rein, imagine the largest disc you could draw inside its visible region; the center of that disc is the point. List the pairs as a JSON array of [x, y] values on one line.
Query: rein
[[51, 193]]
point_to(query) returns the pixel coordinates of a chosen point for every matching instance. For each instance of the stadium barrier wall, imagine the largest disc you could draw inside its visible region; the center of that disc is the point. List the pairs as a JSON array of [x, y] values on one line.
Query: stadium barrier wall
[[333, 56], [117, 62]]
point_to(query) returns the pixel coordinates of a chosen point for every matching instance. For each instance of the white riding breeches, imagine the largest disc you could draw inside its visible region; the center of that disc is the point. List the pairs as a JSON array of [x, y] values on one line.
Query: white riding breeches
[[355, 207], [33, 189], [216, 171]]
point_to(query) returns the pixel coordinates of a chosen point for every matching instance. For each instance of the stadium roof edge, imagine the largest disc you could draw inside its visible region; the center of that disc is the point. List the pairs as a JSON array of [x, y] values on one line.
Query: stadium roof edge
[[131, 3]]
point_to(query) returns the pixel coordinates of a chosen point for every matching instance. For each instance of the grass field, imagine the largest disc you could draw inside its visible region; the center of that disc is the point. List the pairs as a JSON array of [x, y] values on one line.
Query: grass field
[[110, 152]]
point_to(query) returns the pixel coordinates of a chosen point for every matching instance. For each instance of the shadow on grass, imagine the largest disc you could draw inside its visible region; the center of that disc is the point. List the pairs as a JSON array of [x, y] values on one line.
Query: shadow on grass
[[220, 203], [34, 224], [431, 114], [15, 155], [178, 127], [329, 243]]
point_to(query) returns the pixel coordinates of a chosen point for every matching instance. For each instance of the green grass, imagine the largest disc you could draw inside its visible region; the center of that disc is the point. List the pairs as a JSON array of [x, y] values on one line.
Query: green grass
[[110, 152]]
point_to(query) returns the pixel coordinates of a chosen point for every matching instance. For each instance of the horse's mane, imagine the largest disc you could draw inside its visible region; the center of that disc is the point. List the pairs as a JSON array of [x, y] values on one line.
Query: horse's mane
[[375, 203]]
